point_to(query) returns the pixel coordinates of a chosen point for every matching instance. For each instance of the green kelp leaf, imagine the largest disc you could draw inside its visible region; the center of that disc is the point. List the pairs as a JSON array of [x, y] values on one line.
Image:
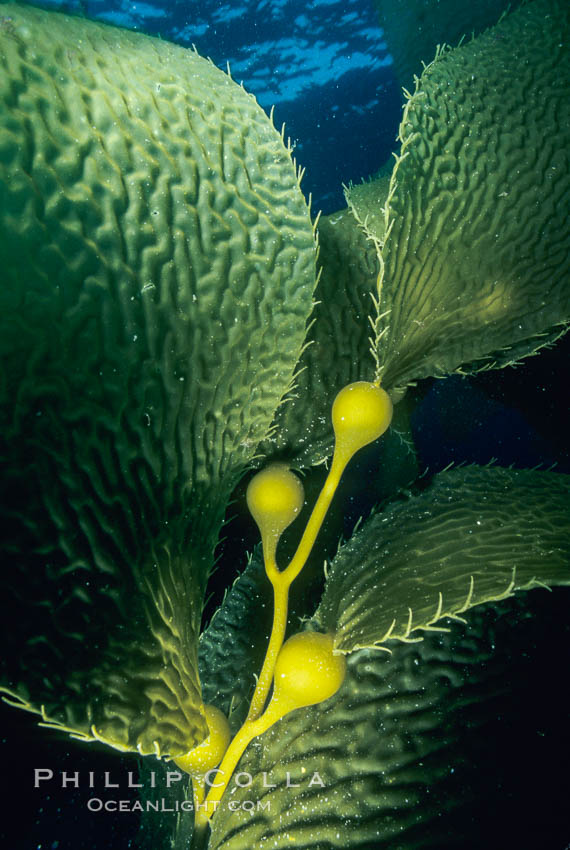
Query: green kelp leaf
[[233, 646], [338, 342], [474, 535], [366, 202], [410, 750], [338, 349], [231, 653], [476, 260], [158, 267], [414, 28]]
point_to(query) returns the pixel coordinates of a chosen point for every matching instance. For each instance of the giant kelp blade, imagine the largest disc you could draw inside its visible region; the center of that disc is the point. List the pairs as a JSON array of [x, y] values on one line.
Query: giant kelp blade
[[414, 750], [366, 201], [339, 345], [231, 652], [476, 247], [338, 341], [232, 647], [158, 267], [474, 535]]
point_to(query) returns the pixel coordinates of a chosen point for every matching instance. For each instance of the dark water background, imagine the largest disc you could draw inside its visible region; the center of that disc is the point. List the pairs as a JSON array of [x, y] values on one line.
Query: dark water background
[[325, 67]]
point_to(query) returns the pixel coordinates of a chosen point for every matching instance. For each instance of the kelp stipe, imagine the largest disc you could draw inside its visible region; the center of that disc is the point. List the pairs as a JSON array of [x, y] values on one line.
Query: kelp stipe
[[305, 670]]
